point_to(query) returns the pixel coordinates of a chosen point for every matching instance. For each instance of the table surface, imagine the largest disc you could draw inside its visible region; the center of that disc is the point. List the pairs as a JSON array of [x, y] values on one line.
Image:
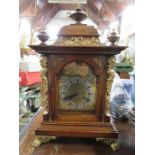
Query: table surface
[[80, 146]]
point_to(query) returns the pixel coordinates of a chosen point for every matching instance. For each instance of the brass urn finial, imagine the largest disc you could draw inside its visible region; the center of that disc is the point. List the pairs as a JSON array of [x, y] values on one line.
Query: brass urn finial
[[113, 37], [43, 36], [78, 15]]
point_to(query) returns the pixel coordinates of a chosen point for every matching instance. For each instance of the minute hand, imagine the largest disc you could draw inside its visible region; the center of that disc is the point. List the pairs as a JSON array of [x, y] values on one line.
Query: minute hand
[[69, 97]]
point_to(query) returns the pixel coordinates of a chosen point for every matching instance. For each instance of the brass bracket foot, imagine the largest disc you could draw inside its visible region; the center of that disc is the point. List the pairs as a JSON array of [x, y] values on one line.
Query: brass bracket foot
[[42, 140], [111, 142]]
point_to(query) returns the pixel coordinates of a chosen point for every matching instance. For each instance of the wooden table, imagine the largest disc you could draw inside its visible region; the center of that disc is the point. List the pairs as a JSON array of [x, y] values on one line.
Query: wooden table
[[80, 146]]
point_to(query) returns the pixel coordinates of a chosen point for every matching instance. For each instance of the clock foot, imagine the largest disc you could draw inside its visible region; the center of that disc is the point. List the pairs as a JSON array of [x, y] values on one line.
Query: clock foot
[[42, 140], [111, 142]]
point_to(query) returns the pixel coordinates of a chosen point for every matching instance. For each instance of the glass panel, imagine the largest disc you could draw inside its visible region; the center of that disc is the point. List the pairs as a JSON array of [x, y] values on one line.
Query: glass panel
[[77, 88]]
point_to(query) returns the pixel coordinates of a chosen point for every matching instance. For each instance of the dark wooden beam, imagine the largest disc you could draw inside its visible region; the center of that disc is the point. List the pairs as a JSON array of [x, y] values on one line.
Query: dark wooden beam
[[91, 14], [99, 22], [101, 12], [23, 4], [93, 6], [47, 13], [27, 7], [107, 13], [97, 14], [111, 6]]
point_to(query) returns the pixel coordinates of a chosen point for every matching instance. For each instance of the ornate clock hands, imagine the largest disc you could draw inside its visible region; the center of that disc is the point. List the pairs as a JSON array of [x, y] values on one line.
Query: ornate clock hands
[[77, 94], [69, 97]]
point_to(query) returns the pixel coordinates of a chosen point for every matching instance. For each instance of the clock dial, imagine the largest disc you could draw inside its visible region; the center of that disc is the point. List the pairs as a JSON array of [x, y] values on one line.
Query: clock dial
[[77, 91]]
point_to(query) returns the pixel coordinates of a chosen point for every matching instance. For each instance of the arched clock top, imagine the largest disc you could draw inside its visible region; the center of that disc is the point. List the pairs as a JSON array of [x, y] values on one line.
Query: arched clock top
[[77, 87], [91, 63]]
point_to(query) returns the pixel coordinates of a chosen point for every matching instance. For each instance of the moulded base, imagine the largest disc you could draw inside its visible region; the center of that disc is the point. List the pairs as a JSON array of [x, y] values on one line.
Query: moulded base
[[97, 131]]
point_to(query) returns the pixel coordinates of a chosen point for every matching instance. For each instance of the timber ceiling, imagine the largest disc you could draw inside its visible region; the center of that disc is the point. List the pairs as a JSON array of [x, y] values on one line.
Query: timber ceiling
[[102, 12]]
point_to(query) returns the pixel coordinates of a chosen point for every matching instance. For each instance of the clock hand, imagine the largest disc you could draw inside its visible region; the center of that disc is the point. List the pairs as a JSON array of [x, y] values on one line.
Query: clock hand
[[69, 97]]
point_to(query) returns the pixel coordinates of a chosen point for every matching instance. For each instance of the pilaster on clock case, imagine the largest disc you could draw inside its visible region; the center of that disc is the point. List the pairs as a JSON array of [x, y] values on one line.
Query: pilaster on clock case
[[77, 79]]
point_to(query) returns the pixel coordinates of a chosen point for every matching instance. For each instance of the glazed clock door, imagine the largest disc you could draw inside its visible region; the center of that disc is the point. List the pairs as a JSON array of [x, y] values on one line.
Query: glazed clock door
[[77, 91]]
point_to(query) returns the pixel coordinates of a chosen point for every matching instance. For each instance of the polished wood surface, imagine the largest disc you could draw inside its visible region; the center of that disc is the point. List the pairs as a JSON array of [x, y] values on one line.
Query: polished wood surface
[[85, 54], [77, 131], [82, 50], [78, 30], [80, 146]]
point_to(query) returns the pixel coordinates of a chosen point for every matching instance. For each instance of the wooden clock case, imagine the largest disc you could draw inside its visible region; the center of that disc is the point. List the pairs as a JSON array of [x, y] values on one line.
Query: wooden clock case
[[77, 42]]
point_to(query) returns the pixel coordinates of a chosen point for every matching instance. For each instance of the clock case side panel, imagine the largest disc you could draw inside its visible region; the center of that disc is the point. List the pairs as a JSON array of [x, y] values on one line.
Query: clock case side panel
[[58, 63], [106, 115], [47, 116]]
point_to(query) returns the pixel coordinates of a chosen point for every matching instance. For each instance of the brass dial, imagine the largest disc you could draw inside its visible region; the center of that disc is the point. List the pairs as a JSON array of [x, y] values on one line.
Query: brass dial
[[77, 88], [77, 92]]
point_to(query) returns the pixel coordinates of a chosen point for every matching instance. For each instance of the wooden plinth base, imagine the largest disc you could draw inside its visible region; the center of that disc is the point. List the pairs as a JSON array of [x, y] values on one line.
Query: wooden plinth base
[[105, 130]]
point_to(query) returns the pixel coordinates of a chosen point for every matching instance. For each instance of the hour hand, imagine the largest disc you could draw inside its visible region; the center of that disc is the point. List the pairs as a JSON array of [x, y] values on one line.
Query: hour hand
[[69, 97]]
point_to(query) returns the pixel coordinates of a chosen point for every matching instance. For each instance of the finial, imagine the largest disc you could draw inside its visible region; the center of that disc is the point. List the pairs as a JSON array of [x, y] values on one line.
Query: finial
[[43, 36], [113, 37], [78, 15]]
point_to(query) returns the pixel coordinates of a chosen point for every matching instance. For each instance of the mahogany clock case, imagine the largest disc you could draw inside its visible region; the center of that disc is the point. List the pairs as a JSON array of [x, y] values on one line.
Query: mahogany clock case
[[75, 76], [77, 123]]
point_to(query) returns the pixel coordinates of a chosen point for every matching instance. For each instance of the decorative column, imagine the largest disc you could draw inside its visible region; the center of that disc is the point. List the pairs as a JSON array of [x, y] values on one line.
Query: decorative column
[[44, 84], [110, 77]]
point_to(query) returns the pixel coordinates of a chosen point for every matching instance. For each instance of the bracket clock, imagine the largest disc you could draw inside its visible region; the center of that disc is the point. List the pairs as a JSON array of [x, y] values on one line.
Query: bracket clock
[[76, 81]]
